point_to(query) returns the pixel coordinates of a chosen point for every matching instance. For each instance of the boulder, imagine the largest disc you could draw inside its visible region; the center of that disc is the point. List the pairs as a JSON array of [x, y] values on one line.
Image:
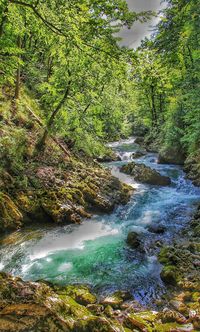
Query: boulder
[[80, 293], [139, 140], [145, 174], [138, 154], [108, 158], [171, 156], [113, 300], [169, 275], [140, 321], [168, 316], [133, 240], [10, 216], [157, 229]]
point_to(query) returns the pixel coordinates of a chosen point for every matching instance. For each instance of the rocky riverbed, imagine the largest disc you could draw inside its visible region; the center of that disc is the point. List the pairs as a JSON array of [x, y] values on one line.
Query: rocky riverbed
[[114, 286]]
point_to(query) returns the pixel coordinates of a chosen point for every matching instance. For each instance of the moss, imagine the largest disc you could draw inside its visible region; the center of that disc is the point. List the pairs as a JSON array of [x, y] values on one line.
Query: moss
[[134, 321], [164, 255], [167, 327], [75, 309], [80, 294], [169, 274], [10, 215], [96, 324], [114, 300], [27, 201]]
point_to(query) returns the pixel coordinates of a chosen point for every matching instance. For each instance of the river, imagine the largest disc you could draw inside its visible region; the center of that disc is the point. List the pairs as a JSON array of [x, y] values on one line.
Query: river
[[96, 252]]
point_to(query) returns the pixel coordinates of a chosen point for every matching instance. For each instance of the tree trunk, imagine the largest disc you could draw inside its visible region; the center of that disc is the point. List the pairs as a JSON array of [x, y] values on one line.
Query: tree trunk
[[161, 101], [153, 107], [17, 81], [41, 143], [49, 67]]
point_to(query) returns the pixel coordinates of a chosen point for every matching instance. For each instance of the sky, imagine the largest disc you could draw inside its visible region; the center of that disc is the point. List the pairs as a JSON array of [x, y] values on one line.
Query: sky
[[133, 37]]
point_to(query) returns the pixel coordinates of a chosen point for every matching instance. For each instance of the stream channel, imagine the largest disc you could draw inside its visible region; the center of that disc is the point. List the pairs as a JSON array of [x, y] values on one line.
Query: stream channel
[[96, 252]]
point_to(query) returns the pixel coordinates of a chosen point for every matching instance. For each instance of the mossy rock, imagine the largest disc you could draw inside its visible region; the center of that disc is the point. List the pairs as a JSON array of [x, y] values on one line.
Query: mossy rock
[[134, 322], [168, 327], [171, 156], [170, 316], [114, 300], [96, 324], [169, 275], [75, 309], [145, 174], [10, 216], [80, 294]]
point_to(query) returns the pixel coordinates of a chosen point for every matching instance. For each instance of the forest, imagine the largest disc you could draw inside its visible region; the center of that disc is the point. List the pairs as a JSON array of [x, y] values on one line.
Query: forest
[[99, 168]]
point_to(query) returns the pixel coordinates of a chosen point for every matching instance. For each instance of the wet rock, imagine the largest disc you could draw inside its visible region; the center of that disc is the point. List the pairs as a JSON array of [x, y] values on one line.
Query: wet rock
[[92, 324], [96, 309], [133, 240], [168, 316], [140, 321], [138, 154], [145, 174], [169, 275], [10, 215], [139, 140], [184, 328], [108, 158], [157, 229], [179, 306], [114, 300], [80, 293], [109, 312], [191, 167], [196, 321], [39, 310], [171, 156]]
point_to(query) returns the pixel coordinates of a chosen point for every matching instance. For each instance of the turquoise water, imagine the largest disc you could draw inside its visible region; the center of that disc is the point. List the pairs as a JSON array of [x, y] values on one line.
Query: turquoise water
[[96, 252]]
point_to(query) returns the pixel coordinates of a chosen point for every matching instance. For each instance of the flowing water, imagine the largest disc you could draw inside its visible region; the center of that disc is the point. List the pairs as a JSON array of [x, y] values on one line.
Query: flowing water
[[96, 252]]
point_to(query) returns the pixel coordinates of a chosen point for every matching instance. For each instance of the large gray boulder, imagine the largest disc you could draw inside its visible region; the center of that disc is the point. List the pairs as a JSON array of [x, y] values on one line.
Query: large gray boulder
[[145, 174], [171, 156]]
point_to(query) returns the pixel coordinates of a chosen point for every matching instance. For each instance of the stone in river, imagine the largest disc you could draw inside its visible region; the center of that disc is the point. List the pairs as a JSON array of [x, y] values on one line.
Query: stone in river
[[133, 240], [145, 174]]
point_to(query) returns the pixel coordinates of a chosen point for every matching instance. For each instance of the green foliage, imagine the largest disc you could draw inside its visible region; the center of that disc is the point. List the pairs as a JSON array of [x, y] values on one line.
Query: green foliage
[[13, 146], [67, 54], [167, 78], [90, 89]]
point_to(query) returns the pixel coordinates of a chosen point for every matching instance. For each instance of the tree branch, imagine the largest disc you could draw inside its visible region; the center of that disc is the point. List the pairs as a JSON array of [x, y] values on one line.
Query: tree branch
[[51, 26]]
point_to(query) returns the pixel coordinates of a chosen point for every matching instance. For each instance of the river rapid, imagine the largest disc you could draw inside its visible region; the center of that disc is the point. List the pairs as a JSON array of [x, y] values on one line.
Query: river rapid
[[95, 252]]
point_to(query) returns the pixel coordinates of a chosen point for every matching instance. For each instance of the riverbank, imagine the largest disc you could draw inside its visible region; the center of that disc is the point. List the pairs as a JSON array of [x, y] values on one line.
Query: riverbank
[[57, 190]]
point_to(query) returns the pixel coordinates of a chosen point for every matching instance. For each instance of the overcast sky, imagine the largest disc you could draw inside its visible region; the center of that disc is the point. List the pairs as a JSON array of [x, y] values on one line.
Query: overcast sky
[[133, 37]]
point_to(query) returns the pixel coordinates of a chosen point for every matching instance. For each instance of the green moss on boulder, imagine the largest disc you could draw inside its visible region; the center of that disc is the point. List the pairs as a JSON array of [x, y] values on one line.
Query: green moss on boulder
[[10, 215]]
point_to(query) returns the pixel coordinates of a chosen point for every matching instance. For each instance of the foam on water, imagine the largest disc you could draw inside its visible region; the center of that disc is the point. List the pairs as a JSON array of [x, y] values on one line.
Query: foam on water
[[74, 239], [96, 252]]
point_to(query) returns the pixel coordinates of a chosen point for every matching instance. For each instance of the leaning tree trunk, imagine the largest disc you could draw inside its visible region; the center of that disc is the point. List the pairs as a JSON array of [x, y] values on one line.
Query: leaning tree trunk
[[42, 141], [18, 73]]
